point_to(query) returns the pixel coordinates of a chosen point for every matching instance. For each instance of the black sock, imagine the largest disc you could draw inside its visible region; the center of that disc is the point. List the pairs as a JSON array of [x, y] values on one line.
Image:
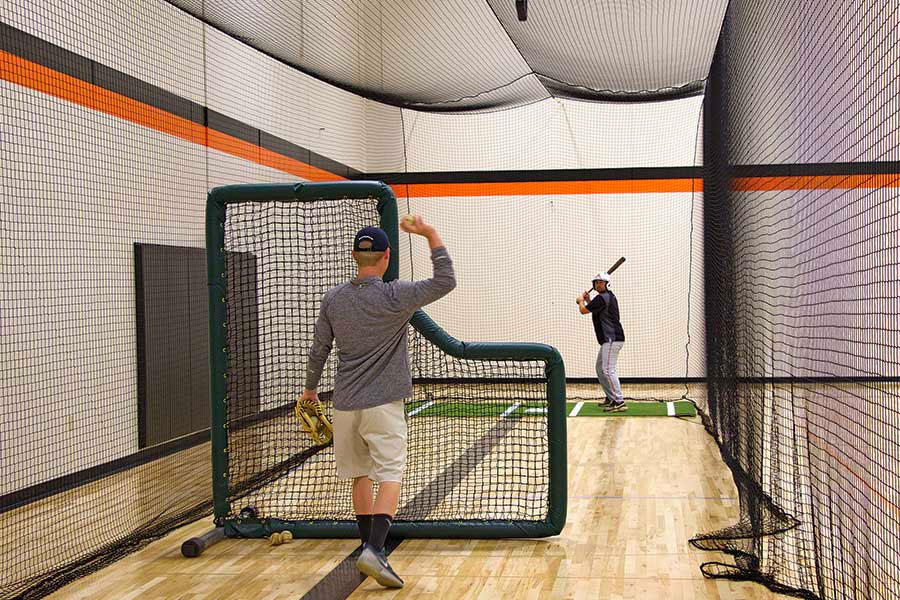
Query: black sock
[[381, 523], [365, 527]]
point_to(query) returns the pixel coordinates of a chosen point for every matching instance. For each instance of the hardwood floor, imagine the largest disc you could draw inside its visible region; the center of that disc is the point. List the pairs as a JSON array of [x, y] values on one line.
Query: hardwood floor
[[639, 488]]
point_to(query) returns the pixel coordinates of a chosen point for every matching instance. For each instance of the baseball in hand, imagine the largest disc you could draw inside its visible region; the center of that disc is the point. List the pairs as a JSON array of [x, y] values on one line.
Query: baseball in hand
[[409, 219]]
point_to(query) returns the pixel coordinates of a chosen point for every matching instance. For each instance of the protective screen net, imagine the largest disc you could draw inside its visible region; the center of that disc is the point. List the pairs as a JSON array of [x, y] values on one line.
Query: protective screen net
[[478, 439]]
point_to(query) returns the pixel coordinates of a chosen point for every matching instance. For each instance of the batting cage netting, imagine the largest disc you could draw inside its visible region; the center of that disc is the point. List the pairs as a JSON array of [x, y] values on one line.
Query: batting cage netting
[[802, 283], [754, 196]]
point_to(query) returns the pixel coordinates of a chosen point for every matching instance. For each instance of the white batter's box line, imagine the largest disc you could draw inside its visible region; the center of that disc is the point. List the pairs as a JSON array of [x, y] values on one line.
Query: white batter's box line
[[511, 409]]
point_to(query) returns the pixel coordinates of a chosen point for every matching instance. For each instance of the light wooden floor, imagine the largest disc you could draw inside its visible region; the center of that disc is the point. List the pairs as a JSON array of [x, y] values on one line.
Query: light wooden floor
[[639, 488]]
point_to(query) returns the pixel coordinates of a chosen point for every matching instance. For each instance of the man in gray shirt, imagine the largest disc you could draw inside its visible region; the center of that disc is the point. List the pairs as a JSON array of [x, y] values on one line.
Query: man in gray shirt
[[368, 319]]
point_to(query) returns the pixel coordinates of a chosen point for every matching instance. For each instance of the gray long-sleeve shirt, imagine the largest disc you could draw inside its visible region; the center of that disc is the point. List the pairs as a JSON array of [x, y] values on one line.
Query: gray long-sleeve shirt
[[368, 318]]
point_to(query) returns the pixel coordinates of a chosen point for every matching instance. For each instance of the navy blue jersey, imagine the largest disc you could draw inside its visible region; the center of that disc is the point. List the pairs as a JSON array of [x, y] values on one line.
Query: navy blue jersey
[[605, 315]]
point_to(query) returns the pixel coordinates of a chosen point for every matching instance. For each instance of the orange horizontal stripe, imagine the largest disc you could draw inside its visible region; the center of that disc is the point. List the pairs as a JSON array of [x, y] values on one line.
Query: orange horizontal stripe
[[543, 188], [816, 182], [287, 164], [644, 186], [42, 79], [47, 81]]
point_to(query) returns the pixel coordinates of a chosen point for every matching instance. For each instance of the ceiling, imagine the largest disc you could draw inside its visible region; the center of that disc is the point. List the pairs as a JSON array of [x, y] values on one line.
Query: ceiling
[[475, 55]]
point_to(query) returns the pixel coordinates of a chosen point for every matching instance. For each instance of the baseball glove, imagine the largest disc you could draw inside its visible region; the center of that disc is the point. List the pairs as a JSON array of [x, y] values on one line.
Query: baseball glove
[[313, 421]]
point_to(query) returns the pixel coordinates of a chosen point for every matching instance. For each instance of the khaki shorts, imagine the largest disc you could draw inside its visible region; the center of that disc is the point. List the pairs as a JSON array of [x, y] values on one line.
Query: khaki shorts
[[371, 442]]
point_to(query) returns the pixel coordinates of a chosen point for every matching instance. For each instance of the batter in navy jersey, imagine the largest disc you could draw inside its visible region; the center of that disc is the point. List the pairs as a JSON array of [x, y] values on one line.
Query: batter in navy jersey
[[604, 311]]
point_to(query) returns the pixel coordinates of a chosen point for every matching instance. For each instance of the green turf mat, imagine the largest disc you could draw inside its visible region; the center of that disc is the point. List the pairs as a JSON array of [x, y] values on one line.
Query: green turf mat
[[532, 409], [477, 409], [636, 409]]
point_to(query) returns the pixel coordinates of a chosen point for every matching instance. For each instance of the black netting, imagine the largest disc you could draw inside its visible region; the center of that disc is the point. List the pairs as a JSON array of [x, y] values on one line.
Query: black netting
[[489, 421], [116, 123], [80, 186], [802, 207], [478, 439], [606, 51], [280, 259], [459, 55]]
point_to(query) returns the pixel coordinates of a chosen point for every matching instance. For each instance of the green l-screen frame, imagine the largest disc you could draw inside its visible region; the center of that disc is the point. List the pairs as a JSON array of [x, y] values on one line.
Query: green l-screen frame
[[230, 495]]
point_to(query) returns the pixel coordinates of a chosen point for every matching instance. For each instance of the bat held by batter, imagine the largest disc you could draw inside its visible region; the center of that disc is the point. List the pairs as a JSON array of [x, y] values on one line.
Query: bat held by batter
[[605, 276], [615, 266]]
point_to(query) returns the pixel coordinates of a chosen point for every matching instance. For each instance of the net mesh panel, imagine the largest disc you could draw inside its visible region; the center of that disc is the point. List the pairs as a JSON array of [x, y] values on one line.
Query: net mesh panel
[[299, 251], [802, 287], [478, 440], [581, 50], [524, 253], [78, 187]]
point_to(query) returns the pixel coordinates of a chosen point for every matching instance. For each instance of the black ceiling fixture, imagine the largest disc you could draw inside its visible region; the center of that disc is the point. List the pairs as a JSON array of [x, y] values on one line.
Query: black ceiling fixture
[[522, 9]]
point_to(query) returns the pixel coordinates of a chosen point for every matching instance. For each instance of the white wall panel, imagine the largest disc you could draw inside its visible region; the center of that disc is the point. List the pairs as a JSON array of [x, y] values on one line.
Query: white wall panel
[[152, 41], [555, 134]]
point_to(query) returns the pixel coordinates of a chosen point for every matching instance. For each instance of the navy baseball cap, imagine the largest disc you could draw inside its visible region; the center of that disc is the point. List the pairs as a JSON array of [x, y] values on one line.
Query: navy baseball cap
[[371, 239]]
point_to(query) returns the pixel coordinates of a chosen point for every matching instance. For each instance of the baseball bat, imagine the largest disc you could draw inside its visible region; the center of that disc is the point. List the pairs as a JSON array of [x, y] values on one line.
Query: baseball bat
[[196, 545], [615, 266]]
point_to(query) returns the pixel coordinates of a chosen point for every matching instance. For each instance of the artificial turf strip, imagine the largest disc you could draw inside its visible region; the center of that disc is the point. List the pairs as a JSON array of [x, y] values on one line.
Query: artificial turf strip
[[480, 409], [589, 409], [635, 409]]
